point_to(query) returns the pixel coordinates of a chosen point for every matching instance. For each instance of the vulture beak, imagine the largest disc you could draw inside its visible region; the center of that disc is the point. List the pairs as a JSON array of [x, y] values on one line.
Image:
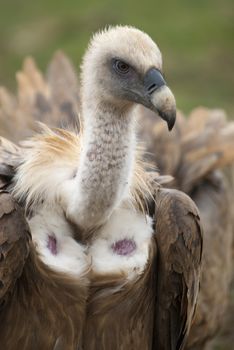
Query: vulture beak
[[159, 96]]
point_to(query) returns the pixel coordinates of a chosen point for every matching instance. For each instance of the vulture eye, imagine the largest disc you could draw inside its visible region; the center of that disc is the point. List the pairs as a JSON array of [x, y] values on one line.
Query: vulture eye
[[121, 67]]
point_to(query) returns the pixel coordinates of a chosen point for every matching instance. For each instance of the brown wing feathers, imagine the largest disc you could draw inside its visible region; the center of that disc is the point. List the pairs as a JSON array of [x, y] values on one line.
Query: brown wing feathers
[[51, 100], [215, 203], [179, 240], [196, 147], [199, 147], [14, 244], [39, 308]]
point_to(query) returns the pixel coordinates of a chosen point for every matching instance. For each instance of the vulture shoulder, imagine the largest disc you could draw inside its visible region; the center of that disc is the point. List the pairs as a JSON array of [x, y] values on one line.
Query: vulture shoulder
[[179, 245]]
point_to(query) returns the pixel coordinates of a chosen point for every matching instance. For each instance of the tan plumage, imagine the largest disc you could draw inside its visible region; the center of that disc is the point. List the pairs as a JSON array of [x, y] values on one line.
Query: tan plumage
[[149, 305], [198, 148]]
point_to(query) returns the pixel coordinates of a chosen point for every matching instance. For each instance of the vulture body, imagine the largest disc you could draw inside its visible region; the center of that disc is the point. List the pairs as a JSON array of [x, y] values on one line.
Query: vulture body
[[114, 260]]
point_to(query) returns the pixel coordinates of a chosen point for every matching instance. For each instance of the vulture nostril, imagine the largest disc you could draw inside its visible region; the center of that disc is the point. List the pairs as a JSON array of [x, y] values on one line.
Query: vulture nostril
[[153, 80], [152, 88]]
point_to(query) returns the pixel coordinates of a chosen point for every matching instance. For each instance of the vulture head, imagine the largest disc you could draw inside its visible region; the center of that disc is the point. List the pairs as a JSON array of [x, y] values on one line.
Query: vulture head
[[123, 67]]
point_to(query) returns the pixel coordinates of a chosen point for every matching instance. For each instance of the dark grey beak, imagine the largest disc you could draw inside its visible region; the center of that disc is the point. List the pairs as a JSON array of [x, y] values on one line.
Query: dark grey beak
[[153, 80], [160, 97]]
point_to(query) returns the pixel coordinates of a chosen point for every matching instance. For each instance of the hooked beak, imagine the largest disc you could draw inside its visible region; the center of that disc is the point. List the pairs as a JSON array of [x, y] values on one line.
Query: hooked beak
[[159, 97]]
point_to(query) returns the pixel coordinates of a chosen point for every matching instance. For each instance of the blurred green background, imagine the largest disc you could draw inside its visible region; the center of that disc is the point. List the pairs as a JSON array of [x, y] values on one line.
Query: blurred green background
[[196, 38]]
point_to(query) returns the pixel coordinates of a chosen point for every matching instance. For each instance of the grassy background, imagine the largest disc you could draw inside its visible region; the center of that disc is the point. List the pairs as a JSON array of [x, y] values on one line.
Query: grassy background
[[195, 36]]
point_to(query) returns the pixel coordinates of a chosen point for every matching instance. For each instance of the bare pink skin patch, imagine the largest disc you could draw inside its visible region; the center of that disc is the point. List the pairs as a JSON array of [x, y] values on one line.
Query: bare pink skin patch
[[52, 244], [124, 247]]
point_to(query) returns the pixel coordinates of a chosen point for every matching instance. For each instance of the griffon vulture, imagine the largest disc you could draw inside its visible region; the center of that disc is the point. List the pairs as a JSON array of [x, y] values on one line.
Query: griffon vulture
[[114, 259], [193, 153]]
